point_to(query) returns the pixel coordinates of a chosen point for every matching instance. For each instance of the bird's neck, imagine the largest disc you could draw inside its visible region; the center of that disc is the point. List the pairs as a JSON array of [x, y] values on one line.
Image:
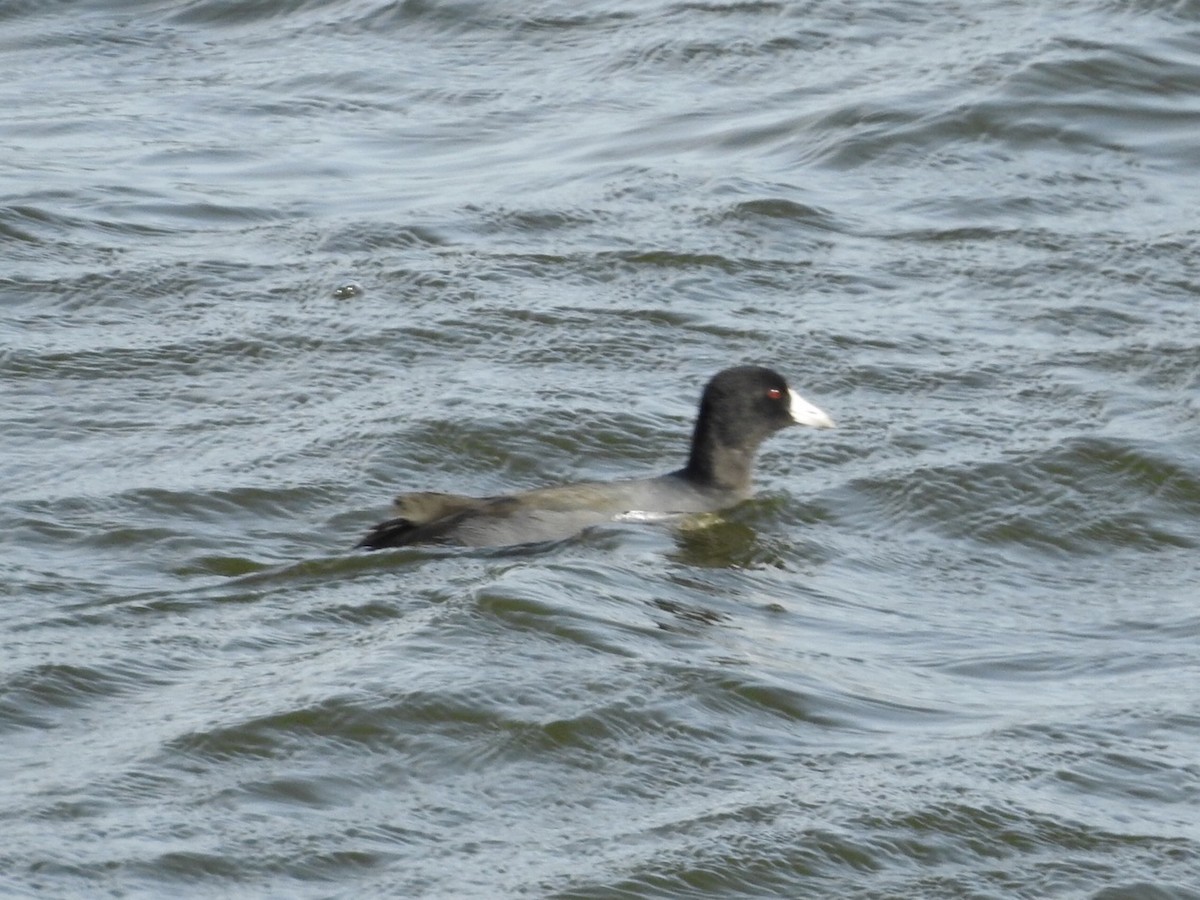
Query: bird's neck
[[714, 462]]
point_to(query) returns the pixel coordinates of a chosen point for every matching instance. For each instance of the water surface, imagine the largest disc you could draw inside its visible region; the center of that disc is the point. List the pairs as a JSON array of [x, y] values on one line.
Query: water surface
[[267, 264]]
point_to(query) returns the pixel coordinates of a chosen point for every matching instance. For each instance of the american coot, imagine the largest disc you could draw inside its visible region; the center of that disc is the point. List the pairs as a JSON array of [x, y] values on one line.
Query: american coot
[[740, 408]]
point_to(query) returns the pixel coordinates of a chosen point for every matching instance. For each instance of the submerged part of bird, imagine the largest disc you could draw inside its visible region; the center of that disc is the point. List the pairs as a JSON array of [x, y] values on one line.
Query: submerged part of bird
[[739, 409]]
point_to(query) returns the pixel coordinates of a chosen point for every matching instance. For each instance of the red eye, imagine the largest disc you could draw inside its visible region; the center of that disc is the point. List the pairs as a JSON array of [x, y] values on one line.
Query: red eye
[[774, 393]]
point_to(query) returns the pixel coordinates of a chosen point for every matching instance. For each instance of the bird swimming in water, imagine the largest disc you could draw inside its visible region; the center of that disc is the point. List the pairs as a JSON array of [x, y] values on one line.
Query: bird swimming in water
[[739, 409]]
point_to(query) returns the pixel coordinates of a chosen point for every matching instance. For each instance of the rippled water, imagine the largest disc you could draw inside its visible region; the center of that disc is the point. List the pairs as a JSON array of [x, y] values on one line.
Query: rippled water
[[268, 263]]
